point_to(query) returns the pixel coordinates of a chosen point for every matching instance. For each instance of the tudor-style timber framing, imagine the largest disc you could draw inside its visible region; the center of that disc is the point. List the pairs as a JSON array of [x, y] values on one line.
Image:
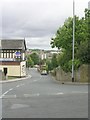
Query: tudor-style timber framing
[[13, 57]]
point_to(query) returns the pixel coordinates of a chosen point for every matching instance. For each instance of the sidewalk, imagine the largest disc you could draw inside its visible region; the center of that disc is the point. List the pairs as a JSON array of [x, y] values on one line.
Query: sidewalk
[[75, 83], [69, 82], [14, 80]]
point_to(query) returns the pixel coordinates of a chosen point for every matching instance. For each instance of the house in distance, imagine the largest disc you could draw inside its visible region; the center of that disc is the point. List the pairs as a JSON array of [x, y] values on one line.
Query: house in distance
[[12, 57]]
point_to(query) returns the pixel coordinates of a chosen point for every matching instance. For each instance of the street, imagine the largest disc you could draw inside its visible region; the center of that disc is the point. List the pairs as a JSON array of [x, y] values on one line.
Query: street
[[42, 97]]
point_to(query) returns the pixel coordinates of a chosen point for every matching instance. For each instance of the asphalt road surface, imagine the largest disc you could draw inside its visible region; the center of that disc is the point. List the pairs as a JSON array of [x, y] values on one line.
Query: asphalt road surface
[[42, 97]]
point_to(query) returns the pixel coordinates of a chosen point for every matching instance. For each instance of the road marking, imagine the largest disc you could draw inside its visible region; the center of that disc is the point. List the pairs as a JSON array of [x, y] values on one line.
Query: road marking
[[35, 80], [61, 93], [78, 92], [50, 94], [38, 94], [20, 85], [1, 96], [4, 94], [17, 106], [32, 95], [10, 89], [9, 96]]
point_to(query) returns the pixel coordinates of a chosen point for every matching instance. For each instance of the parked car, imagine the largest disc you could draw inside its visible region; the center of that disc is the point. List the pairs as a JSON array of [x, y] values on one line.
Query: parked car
[[43, 72]]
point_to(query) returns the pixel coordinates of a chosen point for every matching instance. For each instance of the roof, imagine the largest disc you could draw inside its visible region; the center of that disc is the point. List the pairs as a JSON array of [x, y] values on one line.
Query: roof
[[13, 44]]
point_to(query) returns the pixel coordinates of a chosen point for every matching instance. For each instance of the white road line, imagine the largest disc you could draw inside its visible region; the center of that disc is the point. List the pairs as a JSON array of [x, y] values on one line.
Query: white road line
[[78, 92], [10, 89], [9, 96], [18, 86], [61, 93], [4, 94], [35, 80], [1, 96], [37, 94], [32, 95]]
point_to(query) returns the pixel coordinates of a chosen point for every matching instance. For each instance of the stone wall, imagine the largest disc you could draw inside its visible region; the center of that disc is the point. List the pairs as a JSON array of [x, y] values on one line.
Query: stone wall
[[81, 75]]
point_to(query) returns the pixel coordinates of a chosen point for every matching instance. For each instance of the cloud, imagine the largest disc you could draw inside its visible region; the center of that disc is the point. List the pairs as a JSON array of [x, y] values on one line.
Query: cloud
[[38, 43], [37, 19]]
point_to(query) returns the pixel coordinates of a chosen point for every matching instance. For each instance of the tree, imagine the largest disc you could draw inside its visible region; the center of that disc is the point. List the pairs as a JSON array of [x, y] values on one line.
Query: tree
[[49, 64], [84, 48], [63, 39], [29, 62], [54, 61], [35, 58]]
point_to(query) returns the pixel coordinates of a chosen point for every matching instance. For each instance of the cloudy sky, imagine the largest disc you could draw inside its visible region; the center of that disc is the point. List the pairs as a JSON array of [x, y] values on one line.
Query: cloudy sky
[[37, 20]]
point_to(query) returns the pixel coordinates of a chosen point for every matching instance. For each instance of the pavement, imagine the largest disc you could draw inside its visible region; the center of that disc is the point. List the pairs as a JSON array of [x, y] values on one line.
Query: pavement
[[70, 83], [17, 79], [74, 83]]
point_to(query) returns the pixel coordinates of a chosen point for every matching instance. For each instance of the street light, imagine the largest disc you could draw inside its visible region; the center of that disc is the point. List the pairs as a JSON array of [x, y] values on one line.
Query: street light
[[73, 41], [89, 5]]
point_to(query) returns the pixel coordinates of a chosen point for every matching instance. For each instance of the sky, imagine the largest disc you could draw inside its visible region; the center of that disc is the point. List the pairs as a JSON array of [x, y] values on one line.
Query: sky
[[36, 20]]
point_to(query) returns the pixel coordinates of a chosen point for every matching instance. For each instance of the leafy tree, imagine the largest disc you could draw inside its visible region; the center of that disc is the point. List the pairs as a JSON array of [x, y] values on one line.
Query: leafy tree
[[63, 39], [35, 58], [29, 62], [84, 48], [54, 61], [83, 52], [49, 64], [64, 61]]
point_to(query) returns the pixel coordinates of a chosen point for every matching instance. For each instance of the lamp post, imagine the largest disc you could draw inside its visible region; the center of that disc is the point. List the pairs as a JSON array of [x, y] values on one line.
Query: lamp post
[[89, 5], [73, 41]]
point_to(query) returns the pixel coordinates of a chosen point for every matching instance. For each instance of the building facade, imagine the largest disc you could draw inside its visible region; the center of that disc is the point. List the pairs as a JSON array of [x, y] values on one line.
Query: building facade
[[12, 57]]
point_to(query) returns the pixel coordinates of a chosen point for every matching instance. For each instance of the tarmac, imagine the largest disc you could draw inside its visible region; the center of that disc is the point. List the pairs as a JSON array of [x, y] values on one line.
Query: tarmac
[[29, 76]]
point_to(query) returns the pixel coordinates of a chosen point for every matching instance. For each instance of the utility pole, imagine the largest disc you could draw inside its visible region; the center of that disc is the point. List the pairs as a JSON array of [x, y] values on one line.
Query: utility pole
[[89, 5], [73, 41]]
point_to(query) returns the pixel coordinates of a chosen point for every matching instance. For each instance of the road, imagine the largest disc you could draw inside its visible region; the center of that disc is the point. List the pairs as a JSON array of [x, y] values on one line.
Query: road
[[42, 97]]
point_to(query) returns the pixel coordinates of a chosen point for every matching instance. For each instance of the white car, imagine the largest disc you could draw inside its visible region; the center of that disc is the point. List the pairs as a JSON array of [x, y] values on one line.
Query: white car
[[43, 72]]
